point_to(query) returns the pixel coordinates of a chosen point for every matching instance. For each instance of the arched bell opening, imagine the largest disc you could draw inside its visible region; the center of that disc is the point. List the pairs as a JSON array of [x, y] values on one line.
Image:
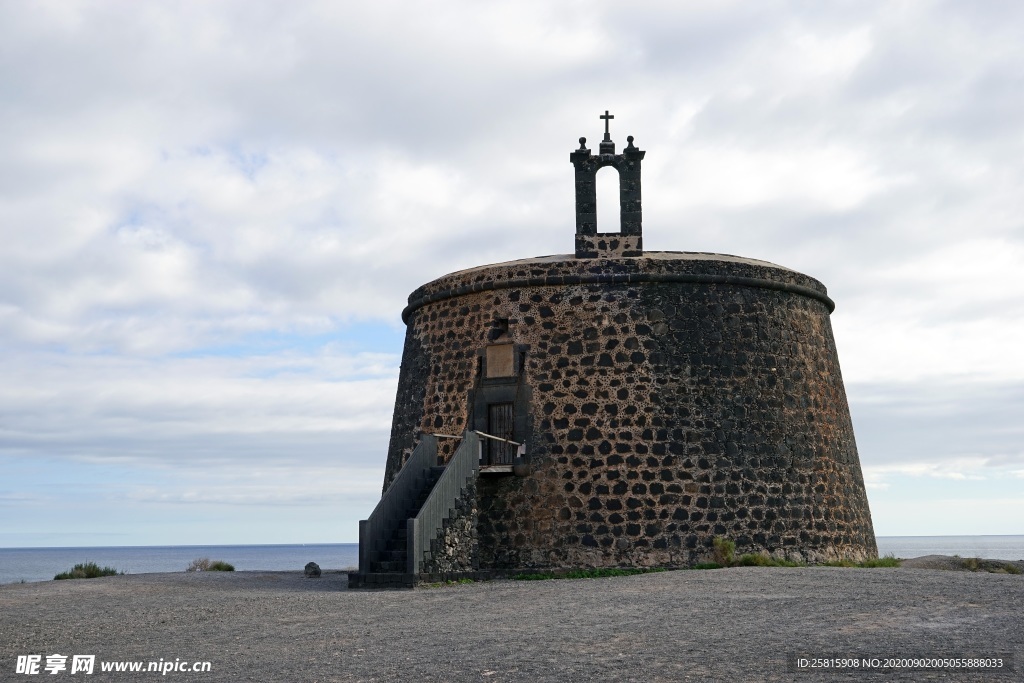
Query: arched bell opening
[[609, 204]]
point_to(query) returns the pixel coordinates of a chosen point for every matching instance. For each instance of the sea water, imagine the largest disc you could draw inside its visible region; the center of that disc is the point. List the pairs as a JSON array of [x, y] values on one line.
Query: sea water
[[41, 564], [986, 547]]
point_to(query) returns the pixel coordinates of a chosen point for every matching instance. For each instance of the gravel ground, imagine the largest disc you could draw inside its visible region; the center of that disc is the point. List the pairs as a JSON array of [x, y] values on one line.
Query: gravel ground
[[719, 625]]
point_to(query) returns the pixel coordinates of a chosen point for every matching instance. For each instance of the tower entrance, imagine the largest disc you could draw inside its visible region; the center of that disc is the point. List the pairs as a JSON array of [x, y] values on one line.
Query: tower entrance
[[501, 423]]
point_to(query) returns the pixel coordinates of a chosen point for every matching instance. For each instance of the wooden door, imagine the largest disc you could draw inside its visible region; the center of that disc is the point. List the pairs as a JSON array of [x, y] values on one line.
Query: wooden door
[[500, 422]]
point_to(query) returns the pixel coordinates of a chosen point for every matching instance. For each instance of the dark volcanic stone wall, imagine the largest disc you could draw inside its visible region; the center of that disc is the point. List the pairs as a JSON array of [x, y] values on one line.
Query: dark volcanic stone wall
[[676, 397], [455, 548]]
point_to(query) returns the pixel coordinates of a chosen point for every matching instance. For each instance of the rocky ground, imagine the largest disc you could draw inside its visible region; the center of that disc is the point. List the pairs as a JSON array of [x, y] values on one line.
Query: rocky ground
[[739, 624]]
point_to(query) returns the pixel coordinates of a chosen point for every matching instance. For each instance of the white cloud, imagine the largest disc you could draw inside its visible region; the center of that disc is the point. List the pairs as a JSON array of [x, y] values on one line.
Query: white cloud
[[228, 409], [948, 516], [181, 183], [823, 177], [961, 469]]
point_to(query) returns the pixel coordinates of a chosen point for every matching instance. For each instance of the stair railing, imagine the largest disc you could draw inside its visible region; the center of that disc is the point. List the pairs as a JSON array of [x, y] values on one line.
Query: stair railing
[[520, 450], [388, 514], [423, 528]]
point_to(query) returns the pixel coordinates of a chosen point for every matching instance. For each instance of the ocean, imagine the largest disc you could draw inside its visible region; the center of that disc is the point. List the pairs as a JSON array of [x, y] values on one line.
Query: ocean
[[40, 564], [987, 547]]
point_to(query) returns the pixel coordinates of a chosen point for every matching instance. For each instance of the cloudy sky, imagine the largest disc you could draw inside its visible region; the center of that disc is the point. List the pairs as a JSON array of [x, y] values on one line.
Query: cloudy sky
[[212, 213]]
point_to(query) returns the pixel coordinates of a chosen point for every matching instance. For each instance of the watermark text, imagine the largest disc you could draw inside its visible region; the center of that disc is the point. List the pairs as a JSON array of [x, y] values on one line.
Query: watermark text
[[31, 665]]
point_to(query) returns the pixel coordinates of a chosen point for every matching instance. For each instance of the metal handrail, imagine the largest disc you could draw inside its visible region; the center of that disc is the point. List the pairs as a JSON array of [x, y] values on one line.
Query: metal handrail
[[387, 515], [496, 438], [423, 528], [491, 467]]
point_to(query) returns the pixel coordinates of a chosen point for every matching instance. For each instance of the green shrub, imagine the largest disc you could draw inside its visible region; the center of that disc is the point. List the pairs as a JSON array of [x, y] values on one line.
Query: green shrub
[[976, 564], [203, 564], [752, 560], [87, 570], [608, 571], [724, 551], [199, 565], [887, 561], [588, 573], [759, 560]]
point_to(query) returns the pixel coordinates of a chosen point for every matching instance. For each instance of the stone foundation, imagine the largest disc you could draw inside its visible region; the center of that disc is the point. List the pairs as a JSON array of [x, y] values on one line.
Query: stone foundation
[[454, 550]]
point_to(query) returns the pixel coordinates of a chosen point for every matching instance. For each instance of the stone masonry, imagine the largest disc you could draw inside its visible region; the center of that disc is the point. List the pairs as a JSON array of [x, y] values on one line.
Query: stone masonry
[[670, 398], [454, 551]]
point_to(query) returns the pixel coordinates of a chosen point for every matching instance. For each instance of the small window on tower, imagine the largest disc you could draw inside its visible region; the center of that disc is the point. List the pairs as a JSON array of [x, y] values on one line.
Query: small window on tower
[[500, 329]]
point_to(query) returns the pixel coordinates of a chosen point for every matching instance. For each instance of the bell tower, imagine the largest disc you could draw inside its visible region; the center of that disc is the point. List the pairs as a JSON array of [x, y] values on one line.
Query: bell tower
[[589, 242]]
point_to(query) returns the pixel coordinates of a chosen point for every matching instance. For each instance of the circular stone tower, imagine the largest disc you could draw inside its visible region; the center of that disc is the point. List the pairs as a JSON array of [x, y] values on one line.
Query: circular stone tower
[[663, 399]]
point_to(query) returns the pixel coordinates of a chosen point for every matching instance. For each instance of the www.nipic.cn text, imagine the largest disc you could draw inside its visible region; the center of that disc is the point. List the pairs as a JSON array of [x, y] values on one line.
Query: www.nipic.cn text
[[86, 664]]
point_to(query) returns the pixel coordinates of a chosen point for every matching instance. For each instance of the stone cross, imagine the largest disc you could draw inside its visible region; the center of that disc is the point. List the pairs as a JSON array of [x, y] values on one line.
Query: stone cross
[[606, 116]]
